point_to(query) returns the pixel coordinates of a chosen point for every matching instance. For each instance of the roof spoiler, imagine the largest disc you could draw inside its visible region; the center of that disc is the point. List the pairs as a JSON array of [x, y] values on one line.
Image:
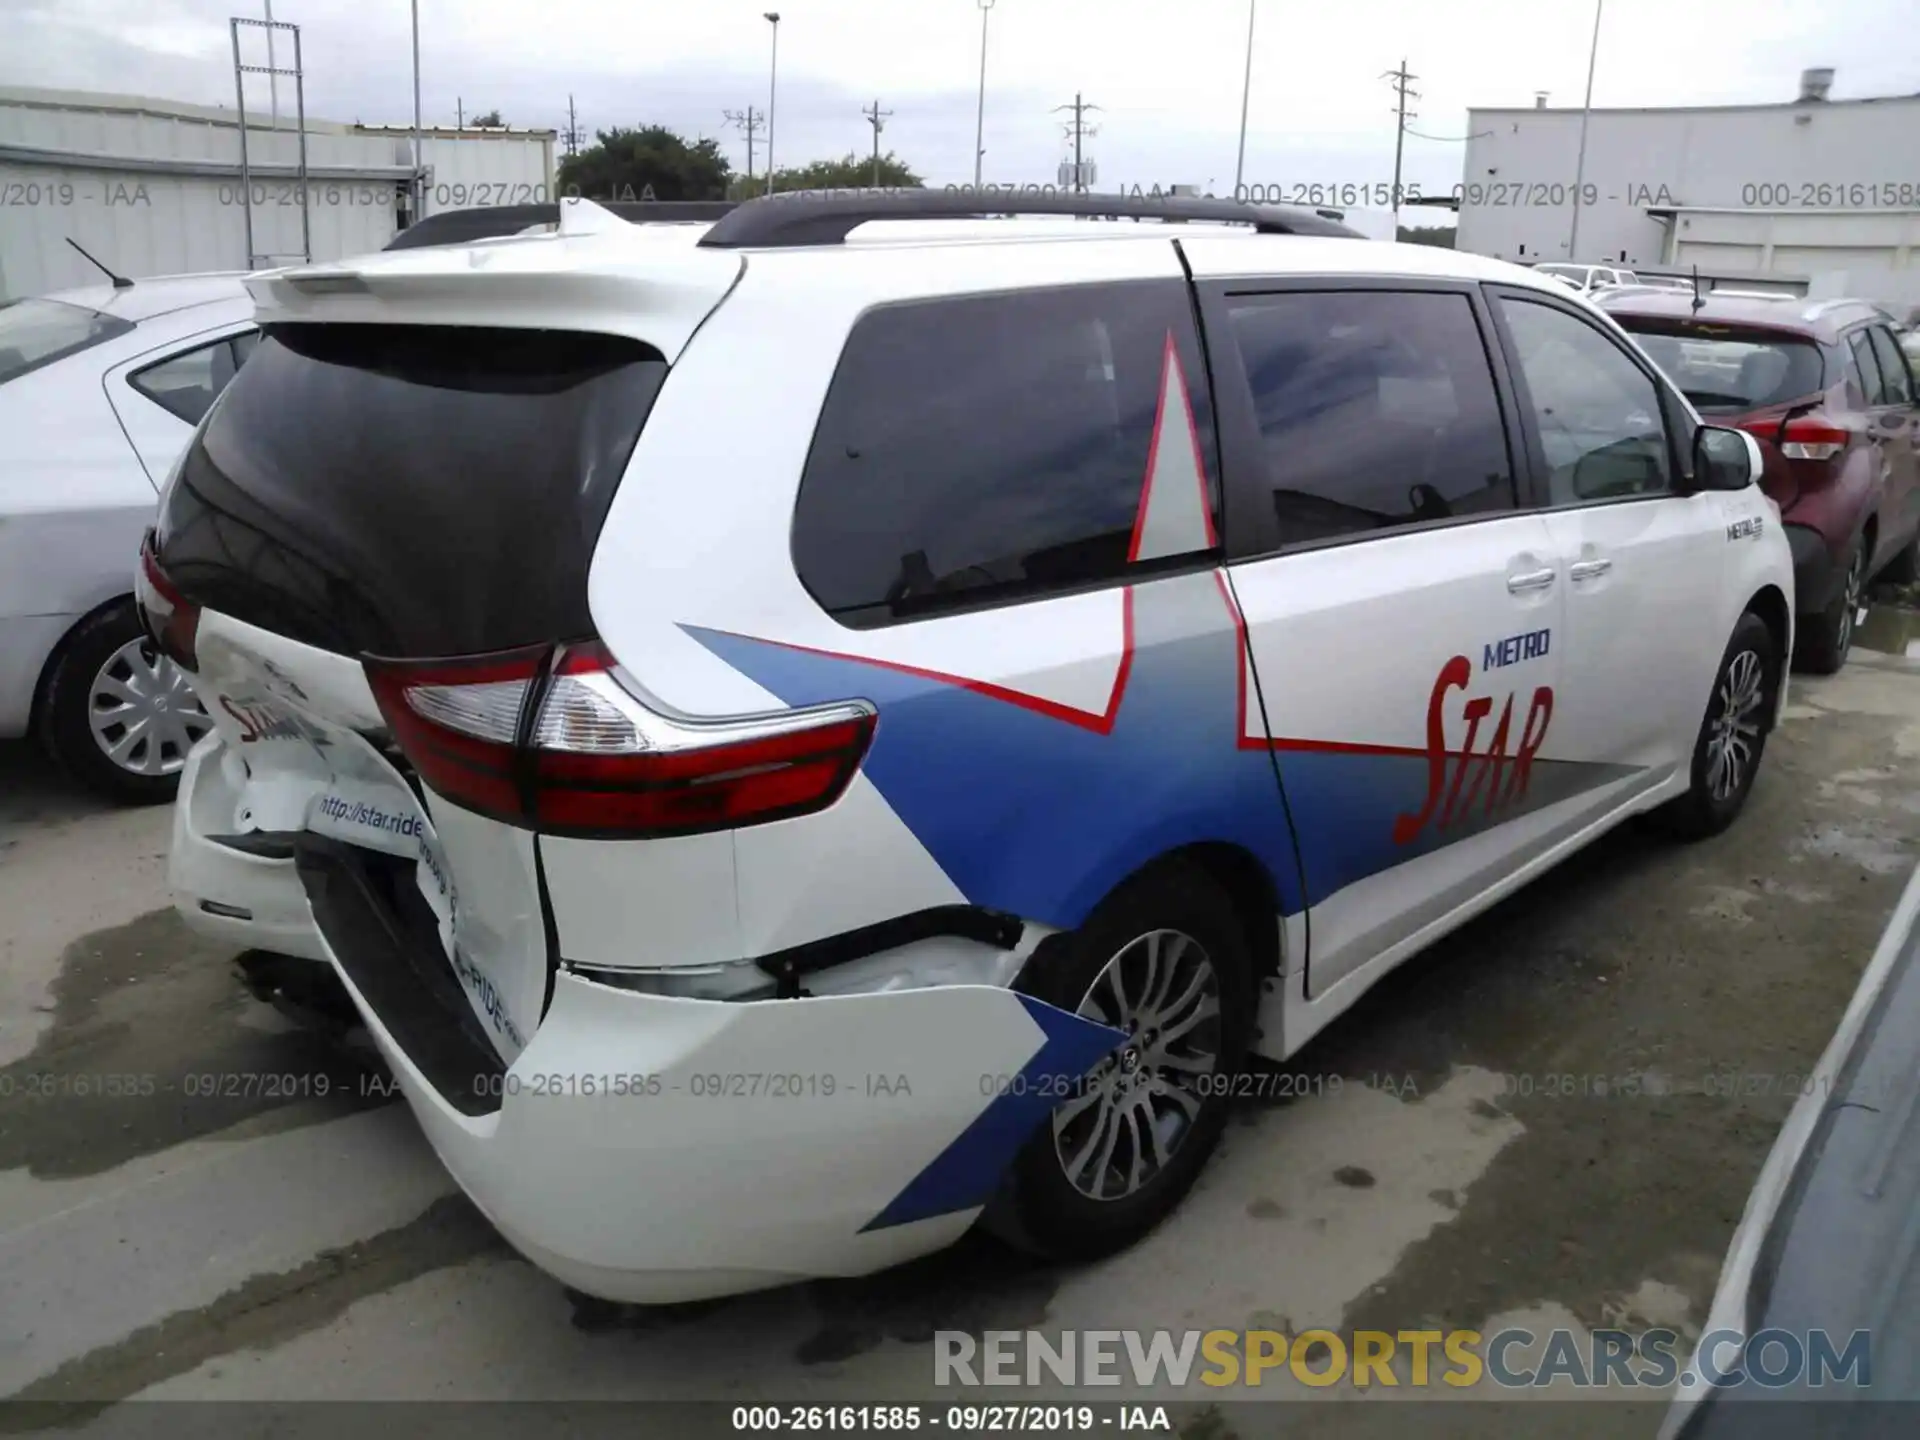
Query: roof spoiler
[[490, 222]]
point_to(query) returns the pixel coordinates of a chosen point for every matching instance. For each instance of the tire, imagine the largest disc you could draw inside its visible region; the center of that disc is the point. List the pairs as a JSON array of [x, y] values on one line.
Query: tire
[[1748, 678], [108, 658], [1825, 639], [1041, 1208]]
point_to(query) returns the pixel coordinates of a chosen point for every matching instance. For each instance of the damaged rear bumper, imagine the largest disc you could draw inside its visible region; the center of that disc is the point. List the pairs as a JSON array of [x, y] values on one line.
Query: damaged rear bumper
[[655, 1149]]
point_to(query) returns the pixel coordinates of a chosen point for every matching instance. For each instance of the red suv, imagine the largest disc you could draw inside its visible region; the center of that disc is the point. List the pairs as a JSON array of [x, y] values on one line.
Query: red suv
[[1830, 393]]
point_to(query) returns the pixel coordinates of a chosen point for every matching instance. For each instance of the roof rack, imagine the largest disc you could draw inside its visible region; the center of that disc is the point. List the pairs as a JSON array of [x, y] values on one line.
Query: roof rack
[[826, 217], [487, 222]]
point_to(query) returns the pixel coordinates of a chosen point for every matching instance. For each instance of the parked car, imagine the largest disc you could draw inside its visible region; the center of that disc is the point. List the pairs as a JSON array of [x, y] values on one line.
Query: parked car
[[100, 389], [920, 795], [1825, 1251], [1829, 390], [1586, 278]]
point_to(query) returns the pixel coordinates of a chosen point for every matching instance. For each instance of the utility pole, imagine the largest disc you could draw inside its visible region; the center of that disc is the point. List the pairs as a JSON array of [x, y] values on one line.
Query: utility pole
[[1402, 81], [459, 113], [747, 121], [572, 137], [980, 112], [419, 187], [1076, 130], [877, 118], [1246, 94], [1586, 113], [772, 17]]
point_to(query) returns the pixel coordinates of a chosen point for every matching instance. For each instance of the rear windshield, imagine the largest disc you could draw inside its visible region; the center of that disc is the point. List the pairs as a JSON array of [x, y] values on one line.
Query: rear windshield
[[1722, 367], [407, 489], [38, 332]]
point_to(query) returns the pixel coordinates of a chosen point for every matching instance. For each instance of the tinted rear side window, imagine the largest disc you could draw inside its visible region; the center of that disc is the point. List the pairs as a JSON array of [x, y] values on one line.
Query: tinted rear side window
[[409, 490], [989, 448], [1375, 409]]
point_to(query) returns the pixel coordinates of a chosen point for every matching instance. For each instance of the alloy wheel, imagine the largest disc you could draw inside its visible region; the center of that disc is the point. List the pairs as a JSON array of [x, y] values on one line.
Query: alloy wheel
[[1850, 600], [1733, 728], [143, 712], [1140, 1104]]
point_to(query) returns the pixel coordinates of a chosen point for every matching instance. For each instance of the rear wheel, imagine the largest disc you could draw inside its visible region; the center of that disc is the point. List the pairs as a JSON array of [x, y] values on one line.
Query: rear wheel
[[1733, 736], [1827, 637], [118, 716], [1164, 960]]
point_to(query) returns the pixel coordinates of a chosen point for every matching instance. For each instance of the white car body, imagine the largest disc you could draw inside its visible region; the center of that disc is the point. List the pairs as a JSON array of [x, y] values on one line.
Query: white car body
[[644, 1136], [82, 452]]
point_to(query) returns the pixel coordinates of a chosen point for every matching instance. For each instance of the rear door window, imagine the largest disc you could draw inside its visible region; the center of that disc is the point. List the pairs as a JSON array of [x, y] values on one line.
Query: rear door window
[[986, 449], [1870, 378], [1375, 410], [1894, 376]]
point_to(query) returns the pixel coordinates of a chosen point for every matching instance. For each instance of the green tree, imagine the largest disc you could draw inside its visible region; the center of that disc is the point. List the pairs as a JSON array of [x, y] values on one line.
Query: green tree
[[647, 163], [850, 172], [1440, 235], [492, 117]]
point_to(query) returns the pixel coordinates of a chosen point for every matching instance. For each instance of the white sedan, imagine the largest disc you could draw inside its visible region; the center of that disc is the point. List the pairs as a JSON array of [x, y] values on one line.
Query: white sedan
[[100, 390]]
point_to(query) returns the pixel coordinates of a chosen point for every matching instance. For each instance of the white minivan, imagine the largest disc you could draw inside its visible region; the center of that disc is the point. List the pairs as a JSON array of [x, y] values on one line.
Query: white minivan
[[803, 732]]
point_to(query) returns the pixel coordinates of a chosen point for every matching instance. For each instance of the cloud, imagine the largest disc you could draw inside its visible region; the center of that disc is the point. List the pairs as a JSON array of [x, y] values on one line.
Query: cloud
[[1166, 73]]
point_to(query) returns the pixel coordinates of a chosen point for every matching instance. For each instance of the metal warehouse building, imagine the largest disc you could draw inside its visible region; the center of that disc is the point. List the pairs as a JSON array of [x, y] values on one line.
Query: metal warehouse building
[[1822, 192], [153, 187]]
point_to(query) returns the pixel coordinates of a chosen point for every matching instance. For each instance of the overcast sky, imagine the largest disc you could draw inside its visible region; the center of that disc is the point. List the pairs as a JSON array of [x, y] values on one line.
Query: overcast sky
[[1166, 73]]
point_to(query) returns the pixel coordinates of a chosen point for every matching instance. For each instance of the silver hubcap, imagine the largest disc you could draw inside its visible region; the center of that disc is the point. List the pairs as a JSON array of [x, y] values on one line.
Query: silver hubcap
[[1850, 601], [144, 714], [1139, 1104], [1733, 730]]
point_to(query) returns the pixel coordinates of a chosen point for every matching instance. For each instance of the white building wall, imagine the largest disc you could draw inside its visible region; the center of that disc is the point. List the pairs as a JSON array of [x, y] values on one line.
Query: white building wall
[[154, 188], [1805, 161]]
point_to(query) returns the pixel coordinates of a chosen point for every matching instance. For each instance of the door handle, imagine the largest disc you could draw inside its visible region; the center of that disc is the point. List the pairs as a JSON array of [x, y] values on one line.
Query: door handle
[[1589, 569], [1530, 580]]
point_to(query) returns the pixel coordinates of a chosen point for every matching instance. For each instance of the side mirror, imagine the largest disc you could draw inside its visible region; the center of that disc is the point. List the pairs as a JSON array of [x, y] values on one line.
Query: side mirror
[[1725, 459]]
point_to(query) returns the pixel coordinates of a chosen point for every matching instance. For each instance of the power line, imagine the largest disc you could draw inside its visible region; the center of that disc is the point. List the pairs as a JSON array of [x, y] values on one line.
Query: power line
[[748, 120], [1077, 130], [877, 118], [1403, 90]]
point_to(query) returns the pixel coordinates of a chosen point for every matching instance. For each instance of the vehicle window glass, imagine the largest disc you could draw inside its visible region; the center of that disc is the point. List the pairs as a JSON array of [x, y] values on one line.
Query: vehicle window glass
[[1871, 383], [187, 384], [992, 446], [1724, 368], [243, 344], [1598, 414], [1375, 409], [38, 332], [1856, 382], [1894, 378]]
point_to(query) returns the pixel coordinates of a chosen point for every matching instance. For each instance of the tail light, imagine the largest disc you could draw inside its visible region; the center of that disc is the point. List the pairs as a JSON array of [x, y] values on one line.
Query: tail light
[[1807, 437], [549, 740], [172, 621]]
